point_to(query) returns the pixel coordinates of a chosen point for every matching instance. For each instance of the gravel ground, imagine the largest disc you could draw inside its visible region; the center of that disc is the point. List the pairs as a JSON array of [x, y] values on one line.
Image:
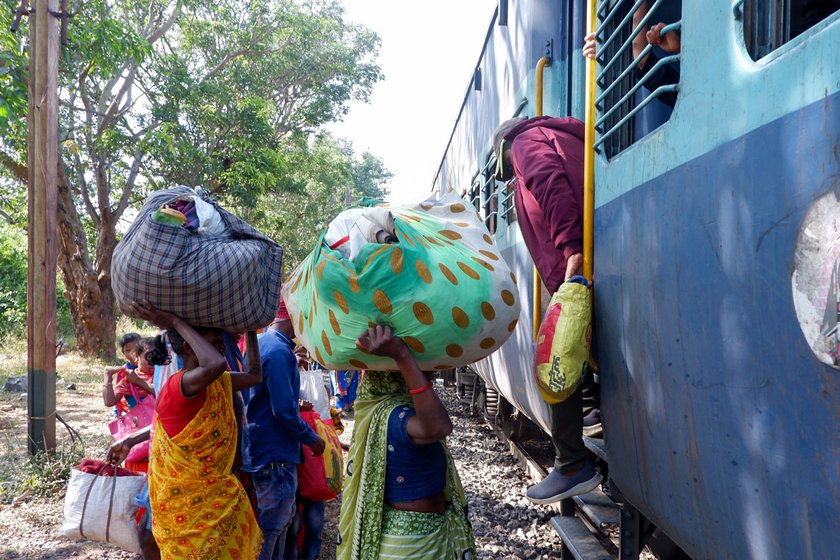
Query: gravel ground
[[506, 525]]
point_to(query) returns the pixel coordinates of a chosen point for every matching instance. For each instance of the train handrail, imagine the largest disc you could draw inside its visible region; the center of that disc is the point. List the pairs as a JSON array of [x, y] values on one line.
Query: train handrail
[[538, 111], [589, 153]]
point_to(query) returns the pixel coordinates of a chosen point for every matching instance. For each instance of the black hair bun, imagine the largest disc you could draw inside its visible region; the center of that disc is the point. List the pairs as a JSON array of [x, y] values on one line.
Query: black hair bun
[[158, 355]]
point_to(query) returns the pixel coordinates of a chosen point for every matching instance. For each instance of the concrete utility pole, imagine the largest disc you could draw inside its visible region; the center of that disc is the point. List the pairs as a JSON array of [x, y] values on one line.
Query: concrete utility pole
[[42, 197]]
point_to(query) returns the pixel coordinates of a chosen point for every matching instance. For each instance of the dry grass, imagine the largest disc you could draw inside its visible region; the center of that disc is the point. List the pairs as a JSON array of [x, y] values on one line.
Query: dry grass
[[80, 407], [32, 488]]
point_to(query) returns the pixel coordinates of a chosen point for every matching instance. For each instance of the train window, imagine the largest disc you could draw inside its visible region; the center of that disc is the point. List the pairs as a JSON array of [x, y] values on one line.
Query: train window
[[489, 195], [473, 195], [638, 72], [770, 24], [506, 199]]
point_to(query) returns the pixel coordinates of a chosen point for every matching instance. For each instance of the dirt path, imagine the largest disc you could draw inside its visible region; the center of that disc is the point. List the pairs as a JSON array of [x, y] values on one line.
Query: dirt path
[[29, 530]]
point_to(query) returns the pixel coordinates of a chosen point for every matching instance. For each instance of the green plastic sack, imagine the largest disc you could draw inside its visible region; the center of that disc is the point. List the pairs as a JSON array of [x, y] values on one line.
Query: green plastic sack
[[563, 342], [444, 289]]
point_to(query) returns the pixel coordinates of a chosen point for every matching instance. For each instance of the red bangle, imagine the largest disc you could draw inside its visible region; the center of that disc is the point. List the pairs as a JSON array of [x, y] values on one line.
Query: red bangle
[[421, 389]]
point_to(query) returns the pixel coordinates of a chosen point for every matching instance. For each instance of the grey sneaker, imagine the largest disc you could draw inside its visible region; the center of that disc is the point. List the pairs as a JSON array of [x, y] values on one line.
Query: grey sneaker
[[557, 486]]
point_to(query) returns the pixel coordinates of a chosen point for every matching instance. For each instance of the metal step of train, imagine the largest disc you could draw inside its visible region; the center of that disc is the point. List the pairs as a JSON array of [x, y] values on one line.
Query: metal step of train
[[578, 539], [603, 513], [596, 446]]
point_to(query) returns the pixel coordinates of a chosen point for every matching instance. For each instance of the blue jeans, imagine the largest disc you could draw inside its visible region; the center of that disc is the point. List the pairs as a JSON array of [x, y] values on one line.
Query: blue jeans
[[274, 487], [310, 517]]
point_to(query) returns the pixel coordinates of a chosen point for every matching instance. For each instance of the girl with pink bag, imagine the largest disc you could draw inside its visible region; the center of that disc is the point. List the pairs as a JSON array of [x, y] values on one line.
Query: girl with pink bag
[[134, 394]]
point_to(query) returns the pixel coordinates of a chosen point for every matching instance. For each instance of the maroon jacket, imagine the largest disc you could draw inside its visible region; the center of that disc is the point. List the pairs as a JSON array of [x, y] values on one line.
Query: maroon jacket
[[548, 162]]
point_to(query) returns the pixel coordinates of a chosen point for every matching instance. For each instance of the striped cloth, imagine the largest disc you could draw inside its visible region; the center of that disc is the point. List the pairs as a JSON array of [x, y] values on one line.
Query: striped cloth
[[230, 282]]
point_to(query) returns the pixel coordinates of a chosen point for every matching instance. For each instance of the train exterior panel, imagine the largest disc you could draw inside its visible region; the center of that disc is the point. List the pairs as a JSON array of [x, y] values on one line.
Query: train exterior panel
[[717, 243]]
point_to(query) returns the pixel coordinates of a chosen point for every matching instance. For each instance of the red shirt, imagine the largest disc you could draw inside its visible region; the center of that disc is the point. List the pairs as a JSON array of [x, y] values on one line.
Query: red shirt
[[174, 409]]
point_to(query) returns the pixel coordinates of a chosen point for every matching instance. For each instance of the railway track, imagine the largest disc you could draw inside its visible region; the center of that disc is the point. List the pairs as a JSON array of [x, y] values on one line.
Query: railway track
[[593, 518]]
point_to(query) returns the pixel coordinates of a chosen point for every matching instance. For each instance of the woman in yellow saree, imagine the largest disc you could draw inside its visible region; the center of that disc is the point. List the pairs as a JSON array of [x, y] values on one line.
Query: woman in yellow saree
[[200, 510]]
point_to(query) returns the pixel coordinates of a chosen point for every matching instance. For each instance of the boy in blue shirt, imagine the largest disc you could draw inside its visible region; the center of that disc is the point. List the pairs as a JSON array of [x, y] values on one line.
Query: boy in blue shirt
[[273, 433]]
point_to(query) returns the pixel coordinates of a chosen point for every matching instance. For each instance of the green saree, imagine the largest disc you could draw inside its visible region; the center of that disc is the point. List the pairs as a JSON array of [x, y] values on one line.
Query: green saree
[[368, 529]]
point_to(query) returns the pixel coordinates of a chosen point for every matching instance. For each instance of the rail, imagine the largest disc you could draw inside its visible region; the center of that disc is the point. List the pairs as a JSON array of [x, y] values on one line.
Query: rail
[[589, 153], [538, 111]]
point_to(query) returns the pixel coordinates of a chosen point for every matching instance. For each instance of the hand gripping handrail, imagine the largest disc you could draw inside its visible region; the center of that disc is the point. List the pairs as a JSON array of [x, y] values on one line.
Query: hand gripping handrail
[[627, 96], [647, 50]]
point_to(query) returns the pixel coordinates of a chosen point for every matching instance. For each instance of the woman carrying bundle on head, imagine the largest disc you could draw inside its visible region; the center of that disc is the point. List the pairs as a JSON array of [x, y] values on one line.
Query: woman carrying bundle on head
[[199, 507], [402, 496]]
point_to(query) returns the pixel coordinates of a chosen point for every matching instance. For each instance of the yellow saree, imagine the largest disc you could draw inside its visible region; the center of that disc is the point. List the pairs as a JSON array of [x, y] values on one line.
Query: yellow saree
[[200, 510]]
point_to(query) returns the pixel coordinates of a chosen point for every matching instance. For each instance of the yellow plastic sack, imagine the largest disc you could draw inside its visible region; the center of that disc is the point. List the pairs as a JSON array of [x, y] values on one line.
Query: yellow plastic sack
[[563, 341]]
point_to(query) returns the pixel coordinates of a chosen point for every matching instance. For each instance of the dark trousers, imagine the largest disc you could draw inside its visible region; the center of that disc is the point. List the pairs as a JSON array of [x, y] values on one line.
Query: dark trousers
[[567, 427], [309, 518]]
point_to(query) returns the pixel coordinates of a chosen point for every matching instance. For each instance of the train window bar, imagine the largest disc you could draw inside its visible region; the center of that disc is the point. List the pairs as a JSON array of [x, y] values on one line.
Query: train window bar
[[627, 96], [507, 203], [489, 194], [638, 29], [618, 100], [473, 195]]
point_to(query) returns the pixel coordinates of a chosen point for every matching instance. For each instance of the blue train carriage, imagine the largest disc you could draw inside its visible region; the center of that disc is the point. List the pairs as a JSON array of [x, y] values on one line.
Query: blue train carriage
[[717, 257]]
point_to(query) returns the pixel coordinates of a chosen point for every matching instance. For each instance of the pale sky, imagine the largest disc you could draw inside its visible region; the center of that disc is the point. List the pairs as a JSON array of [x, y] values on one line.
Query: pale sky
[[428, 53]]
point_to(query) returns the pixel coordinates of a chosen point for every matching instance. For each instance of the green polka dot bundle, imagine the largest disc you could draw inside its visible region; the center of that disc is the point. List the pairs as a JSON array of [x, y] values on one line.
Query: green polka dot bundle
[[443, 287]]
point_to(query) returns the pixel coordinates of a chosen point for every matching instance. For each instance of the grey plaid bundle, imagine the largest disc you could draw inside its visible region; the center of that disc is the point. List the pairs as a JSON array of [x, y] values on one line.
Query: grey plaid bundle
[[230, 282]]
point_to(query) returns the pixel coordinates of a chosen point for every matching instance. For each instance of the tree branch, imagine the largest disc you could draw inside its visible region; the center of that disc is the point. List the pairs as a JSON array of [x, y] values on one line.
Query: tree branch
[[129, 186], [232, 56], [166, 25], [84, 188], [19, 170], [108, 118]]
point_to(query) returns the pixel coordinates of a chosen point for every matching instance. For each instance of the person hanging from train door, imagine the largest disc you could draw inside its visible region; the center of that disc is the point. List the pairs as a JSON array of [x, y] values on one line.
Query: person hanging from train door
[[545, 155]]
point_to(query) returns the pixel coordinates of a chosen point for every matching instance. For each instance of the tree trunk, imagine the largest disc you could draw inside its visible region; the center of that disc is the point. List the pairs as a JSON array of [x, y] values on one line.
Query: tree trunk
[[88, 291]]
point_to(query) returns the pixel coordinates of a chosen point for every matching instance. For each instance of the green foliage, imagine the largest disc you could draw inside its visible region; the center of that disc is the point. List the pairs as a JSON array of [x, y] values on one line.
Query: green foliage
[[13, 276], [14, 70], [371, 177], [224, 94], [326, 169], [270, 74], [13, 283]]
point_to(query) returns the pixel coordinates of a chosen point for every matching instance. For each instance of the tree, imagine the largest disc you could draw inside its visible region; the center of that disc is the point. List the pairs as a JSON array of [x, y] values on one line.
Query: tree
[[370, 176], [197, 92], [297, 218]]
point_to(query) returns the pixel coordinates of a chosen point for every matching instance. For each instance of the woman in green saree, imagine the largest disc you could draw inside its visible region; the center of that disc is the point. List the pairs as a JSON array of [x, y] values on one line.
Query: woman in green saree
[[402, 496]]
